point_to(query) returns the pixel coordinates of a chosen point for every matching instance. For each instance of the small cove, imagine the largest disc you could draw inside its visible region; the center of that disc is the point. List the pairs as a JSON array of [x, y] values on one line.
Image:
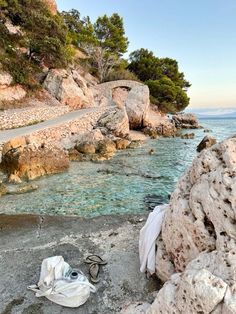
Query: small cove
[[120, 185]]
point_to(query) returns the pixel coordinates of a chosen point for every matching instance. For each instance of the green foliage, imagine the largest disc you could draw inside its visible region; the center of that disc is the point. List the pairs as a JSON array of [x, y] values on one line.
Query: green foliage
[[122, 74], [110, 34], [168, 96], [81, 31], [104, 41], [43, 36], [167, 85]]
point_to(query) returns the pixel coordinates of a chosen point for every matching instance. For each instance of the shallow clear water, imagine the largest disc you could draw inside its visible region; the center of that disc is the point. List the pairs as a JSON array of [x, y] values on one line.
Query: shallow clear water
[[119, 185]]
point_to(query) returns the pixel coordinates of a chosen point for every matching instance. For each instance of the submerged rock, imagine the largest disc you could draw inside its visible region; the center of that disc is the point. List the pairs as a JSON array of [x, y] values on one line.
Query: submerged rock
[[207, 142], [188, 136], [186, 121], [3, 189], [26, 188]]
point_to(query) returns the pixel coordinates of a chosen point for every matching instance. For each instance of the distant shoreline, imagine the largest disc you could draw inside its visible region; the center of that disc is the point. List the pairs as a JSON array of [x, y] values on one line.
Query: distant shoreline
[[216, 118]]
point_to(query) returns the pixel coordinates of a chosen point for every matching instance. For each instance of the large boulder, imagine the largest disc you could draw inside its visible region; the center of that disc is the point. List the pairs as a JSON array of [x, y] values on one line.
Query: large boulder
[[131, 95], [186, 121], [207, 142], [206, 286], [69, 87], [115, 121], [30, 162], [204, 205], [199, 237], [137, 105]]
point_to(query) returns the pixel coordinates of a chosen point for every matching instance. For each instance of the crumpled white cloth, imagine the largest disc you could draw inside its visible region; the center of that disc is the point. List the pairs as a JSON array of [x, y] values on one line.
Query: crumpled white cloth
[[55, 285], [147, 239]]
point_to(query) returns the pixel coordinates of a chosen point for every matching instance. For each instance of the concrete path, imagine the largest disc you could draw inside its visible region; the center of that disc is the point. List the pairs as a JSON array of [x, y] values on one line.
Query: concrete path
[[9, 134], [26, 240]]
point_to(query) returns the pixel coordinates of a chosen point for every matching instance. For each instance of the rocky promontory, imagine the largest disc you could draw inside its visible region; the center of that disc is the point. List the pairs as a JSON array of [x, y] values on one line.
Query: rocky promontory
[[197, 247]]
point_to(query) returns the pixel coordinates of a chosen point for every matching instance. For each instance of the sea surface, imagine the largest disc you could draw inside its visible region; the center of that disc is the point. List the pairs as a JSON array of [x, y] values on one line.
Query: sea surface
[[126, 184]]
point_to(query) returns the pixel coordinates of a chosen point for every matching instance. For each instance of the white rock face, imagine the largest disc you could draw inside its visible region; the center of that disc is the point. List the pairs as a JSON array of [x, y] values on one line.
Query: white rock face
[[116, 121], [206, 286], [132, 95], [11, 93], [199, 238], [70, 88], [204, 205], [137, 105], [5, 78]]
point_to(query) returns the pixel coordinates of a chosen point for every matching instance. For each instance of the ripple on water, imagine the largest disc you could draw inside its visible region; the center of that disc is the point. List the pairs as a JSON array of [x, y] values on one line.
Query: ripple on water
[[119, 185]]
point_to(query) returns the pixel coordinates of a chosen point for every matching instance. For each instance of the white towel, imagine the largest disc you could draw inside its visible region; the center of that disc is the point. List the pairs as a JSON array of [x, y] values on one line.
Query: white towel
[[148, 236]]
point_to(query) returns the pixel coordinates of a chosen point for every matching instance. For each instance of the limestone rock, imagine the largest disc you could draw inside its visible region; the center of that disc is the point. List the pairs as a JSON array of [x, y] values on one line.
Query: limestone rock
[[122, 143], [13, 178], [14, 143], [69, 87], [207, 286], [11, 93], [119, 95], [132, 95], [93, 136], [106, 146], [29, 162], [116, 121], [5, 78], [13, 29], [86, 148], [186, 121], [201, 216], [3, 189], [188, 136], [207, 142], [137, 105]]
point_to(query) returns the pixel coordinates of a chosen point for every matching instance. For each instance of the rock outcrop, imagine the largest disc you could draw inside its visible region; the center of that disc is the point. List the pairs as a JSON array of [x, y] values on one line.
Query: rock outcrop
[[186, 121], [199, 237], [3, 189], [131, 95], [206, 286], [207, 142], [8, 92], [137, 105], [115, 121], [70, 88], [30, 162]]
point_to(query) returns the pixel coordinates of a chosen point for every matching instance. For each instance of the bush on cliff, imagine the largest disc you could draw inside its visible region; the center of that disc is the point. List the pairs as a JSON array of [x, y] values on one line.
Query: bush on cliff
[[42, 40], [169, 97]]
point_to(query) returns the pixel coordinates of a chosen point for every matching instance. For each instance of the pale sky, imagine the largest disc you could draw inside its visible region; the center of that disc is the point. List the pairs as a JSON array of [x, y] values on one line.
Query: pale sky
[[199, 34]]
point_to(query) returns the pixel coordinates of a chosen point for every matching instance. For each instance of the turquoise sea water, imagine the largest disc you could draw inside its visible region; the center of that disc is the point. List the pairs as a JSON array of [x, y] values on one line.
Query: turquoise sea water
[[119, 185]]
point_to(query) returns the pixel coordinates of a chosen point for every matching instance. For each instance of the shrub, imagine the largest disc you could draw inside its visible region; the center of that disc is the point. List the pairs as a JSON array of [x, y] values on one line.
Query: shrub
[[122, 74]]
